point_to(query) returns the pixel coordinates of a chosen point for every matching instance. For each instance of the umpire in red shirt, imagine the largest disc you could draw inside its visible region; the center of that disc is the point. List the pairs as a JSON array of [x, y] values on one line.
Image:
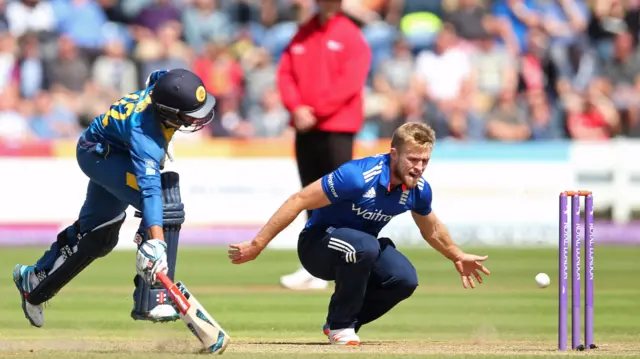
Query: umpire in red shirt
[[321, 77]]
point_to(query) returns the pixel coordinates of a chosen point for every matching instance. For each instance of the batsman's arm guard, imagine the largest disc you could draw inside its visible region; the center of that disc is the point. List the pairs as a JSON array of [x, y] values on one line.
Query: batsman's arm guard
[[145, 297], [67, 259]]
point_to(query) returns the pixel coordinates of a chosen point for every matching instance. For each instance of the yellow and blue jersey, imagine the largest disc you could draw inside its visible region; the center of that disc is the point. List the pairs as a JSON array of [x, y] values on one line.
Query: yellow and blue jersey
[[130, 126], [362, 198]]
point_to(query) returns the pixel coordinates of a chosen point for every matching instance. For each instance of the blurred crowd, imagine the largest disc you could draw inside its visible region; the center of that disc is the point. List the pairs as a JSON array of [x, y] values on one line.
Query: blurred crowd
[[507, 70]]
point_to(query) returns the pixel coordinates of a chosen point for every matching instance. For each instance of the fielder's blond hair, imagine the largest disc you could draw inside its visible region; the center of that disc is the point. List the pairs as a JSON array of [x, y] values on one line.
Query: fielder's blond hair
[[413, 134]]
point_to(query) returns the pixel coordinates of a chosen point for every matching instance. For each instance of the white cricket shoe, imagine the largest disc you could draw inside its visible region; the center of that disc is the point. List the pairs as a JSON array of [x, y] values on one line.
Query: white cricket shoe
[[163, 313], [25, 279], [344, 337], [302, 280]]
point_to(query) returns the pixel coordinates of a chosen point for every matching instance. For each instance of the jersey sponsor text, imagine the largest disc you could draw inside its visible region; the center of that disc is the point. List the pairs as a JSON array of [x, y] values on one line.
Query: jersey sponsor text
[[375, 215], [332, 186]]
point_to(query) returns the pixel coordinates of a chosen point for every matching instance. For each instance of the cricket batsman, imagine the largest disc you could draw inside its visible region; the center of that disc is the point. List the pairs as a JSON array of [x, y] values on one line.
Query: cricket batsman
[[340, 241], [122, 152]]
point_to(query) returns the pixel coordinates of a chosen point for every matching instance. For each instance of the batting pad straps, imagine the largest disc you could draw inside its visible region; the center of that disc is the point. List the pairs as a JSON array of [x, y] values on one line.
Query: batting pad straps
[[72, 260], [63, 247], [173, 215]]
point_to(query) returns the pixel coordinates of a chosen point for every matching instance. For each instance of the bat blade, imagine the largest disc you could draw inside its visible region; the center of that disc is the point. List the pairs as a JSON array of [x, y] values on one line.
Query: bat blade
[[196, 318]]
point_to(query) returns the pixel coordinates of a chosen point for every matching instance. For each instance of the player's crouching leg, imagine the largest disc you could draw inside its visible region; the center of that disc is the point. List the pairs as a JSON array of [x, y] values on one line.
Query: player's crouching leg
[[347, 256], [393, 280], [68, 256]]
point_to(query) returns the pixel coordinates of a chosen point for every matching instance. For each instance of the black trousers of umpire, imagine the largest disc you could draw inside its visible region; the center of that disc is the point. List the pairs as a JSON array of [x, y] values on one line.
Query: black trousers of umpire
[[318, 153]]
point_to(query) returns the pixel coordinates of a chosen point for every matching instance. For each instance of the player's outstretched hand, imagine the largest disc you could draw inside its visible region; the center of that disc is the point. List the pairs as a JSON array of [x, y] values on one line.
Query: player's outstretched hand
[[468, 266], [244, 252]]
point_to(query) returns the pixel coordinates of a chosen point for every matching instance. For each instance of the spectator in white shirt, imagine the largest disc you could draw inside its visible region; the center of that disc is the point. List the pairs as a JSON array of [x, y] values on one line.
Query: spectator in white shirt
[[444, 79]]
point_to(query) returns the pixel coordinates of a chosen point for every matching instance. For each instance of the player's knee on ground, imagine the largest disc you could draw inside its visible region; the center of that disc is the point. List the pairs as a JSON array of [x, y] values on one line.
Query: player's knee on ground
[[71, 253], [355, 246]]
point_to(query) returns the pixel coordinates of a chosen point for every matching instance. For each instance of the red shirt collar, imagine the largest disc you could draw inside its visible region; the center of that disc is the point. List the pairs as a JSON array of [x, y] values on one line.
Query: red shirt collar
[[385, 176], [404, 188]]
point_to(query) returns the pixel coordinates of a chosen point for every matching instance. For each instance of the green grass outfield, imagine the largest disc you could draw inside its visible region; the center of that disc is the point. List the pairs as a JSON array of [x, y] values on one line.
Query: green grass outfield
[[506, 317]]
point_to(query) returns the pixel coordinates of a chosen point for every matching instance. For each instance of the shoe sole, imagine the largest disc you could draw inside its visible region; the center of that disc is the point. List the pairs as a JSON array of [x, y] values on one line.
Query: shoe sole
[[138, 316], [17, 278], [351, 343]]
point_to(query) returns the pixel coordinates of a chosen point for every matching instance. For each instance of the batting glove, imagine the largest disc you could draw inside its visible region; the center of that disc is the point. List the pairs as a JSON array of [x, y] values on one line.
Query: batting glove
[[151, 259]]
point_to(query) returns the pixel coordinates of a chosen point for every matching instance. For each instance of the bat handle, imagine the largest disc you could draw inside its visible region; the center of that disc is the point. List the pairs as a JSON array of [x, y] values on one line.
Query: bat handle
[[164, 280], [178, 298]]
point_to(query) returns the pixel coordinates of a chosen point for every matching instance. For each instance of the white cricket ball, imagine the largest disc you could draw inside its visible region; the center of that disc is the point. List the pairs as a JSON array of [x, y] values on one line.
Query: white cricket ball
[[543, 280]]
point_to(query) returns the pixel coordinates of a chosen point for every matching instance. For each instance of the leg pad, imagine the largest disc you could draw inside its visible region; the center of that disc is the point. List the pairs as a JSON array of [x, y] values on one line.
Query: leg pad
[[72, 258], [146, 297]]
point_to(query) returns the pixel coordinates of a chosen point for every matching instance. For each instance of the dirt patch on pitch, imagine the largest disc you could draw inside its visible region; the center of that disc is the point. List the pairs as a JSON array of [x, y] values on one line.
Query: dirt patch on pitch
[[78, 348], [408, 348], [90, 348]]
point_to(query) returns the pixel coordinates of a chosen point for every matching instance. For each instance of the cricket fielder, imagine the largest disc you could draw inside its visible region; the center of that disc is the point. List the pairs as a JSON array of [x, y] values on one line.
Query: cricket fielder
[[122, 153], [339, 242]]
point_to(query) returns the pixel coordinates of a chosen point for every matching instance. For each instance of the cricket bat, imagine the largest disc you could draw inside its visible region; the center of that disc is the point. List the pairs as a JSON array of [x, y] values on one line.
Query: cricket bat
[[196, 318]]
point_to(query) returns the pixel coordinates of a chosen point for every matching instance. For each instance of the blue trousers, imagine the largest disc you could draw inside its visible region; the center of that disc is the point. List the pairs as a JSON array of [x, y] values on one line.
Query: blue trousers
[[112, 185], [112, 188], [371, 276]]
